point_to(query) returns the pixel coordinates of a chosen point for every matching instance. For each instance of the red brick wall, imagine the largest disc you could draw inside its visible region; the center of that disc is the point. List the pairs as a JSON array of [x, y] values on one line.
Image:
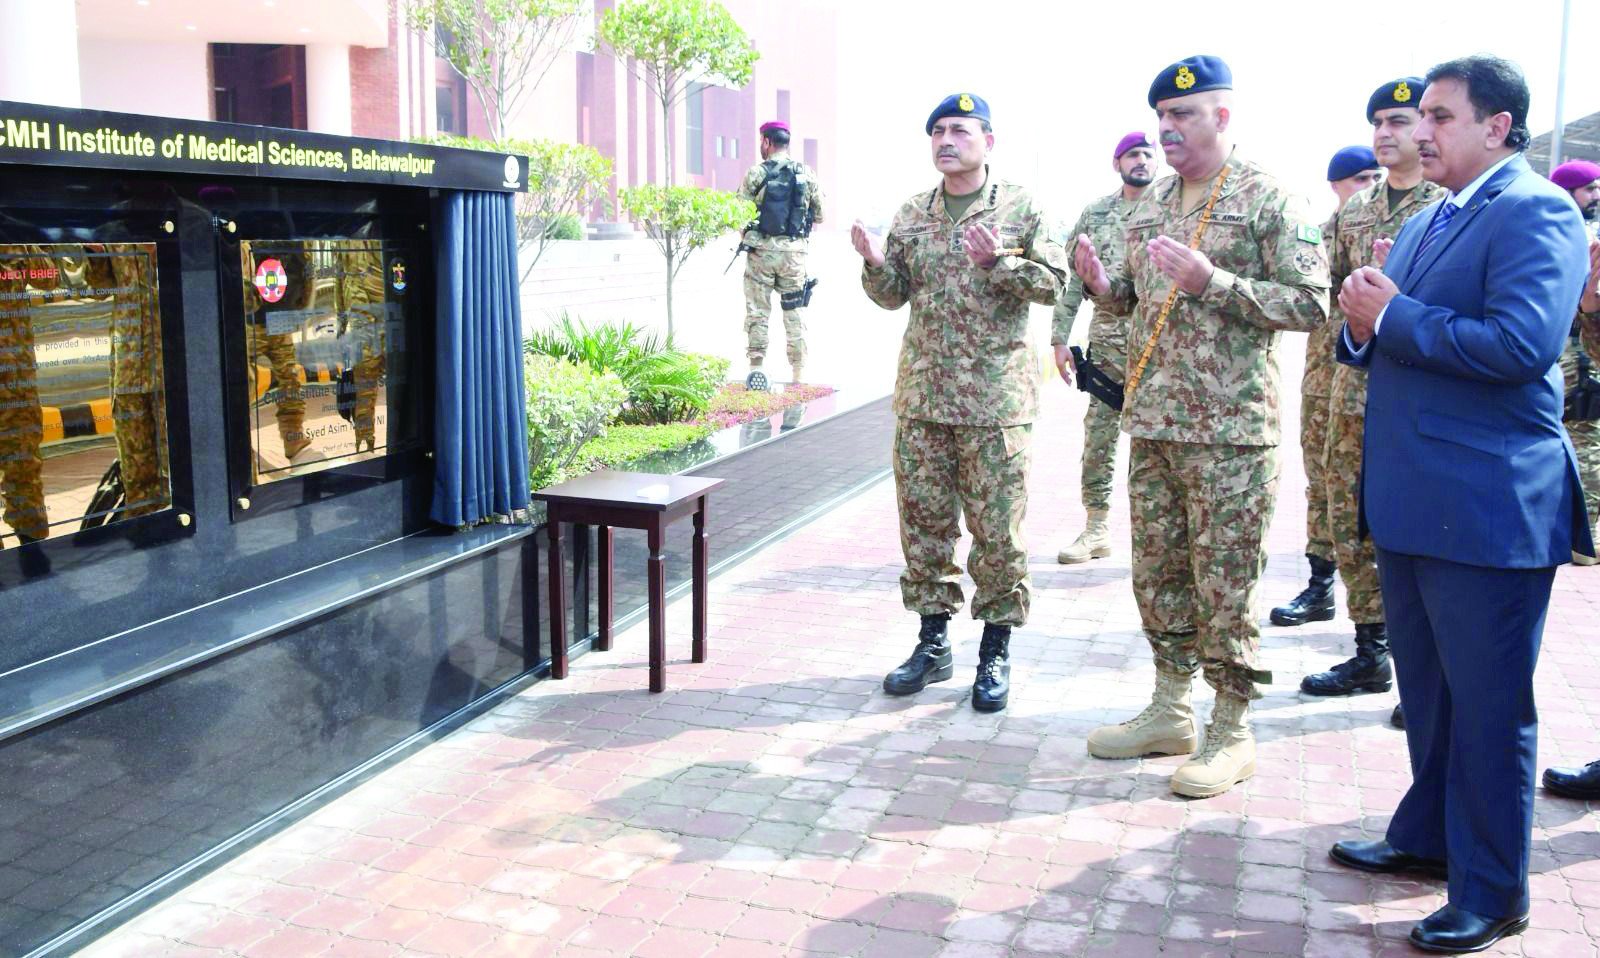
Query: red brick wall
[[375, 88]]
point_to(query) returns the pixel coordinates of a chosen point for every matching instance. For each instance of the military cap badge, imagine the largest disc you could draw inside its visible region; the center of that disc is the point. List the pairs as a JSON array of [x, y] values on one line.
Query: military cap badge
[[1395, 93], [958, 104], [1402, 92], [1188, 76]]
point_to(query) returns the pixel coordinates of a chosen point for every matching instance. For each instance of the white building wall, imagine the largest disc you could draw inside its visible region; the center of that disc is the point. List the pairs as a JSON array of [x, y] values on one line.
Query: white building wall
[[328, 88], [156, 78], [39, 63]]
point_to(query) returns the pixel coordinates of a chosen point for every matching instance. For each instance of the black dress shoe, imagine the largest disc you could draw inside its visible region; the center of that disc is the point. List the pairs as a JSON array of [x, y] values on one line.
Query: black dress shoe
[[1456, 931], [930, 661], [1574, 782], [1385, 859], [1397, 718]]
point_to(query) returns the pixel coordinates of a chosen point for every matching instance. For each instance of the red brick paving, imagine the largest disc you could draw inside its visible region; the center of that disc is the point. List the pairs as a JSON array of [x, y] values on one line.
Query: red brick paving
[[775, 802]]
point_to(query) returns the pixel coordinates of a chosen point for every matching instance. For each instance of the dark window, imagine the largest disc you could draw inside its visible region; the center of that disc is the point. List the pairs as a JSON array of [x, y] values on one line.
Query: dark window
[[783, 105], [259, 83]]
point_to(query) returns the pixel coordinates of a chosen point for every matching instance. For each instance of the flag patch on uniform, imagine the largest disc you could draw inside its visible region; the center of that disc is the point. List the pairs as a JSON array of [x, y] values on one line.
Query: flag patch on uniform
[[1309, 234]]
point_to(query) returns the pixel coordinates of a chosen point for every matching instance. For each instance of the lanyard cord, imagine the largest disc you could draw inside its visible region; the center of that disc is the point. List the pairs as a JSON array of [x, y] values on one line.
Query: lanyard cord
[[1172, 296]]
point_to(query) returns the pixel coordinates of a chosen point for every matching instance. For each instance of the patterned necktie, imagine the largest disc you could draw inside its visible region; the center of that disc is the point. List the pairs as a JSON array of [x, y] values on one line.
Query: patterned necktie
[[1441, 220]]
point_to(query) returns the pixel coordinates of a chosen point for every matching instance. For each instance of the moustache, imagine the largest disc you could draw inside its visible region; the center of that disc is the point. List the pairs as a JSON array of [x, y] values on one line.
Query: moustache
[[949, 153], [1172, 139]]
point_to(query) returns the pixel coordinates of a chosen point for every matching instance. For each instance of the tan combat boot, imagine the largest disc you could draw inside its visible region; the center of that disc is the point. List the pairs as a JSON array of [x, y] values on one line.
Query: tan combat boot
[[1165, 727], [1094, 543], [1229, 755]]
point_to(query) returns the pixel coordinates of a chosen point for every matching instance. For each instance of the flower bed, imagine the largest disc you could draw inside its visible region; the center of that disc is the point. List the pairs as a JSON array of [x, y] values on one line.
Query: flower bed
[[734, 405]]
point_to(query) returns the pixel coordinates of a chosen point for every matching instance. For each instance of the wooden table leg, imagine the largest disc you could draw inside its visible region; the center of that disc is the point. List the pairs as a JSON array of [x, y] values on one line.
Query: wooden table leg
[[558, 605], [699, 574], [658, 607], [604, 533]]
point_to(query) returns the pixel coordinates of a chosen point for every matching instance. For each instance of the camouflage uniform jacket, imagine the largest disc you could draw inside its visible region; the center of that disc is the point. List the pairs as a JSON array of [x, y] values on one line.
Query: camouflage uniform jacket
[[966, 359], [755, 179], [1213, 374], [1320, 360], [1104, 221], [1366, 218]]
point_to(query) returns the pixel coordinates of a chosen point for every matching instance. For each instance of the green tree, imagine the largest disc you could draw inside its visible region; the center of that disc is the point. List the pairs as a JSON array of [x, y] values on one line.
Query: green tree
[[682, 219], [678, 43], [563, 178], [502, 47]]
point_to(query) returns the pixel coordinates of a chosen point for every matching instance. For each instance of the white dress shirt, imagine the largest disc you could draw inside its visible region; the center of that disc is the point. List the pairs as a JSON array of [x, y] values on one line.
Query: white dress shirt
[[1459, 201]]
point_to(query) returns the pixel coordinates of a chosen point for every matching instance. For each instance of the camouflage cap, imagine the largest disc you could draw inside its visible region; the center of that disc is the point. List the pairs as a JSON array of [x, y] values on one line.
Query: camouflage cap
[[1406, 92], [1194, 75], [959, 104]]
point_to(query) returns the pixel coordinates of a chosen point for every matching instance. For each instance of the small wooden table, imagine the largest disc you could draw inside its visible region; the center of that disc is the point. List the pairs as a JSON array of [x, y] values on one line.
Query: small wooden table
[[628, 500]]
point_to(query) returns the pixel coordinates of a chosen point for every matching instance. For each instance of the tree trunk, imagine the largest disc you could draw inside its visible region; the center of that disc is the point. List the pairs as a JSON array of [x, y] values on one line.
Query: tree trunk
[[666, 141], [669, 297]]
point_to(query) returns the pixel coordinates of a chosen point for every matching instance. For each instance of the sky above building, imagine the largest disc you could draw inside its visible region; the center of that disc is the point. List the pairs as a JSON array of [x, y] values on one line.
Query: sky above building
[[1067, 79]]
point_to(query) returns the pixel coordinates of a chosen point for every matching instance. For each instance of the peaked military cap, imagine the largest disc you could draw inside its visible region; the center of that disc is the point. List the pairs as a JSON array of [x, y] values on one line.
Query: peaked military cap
[[959, 104], [1194, 75], [1406, 91]]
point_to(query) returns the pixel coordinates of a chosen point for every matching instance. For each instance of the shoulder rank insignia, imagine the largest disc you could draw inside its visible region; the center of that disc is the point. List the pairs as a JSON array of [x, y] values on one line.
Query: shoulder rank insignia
[[1185, 78], [1402, 92], [1309, 234], [965, 102]]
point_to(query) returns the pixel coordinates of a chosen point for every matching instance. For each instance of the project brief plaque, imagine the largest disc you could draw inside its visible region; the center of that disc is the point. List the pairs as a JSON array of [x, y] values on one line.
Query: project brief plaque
[[83, 437]]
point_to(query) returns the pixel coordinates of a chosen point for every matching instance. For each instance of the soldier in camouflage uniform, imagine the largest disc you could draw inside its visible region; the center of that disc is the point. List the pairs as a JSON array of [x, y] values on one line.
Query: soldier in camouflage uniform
[[1102, 221], [128, 271], [278, 348], [1351, 170], [361, 308], [1582, 179], [21, 417], [777, 257], [1202, 409], [1373, 215], [969, 256]]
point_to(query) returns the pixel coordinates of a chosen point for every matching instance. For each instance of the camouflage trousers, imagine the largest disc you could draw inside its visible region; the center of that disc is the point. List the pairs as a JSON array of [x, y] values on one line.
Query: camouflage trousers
[[1200, 514], [767, 271], [1585, 436], [1357, 557], [943, 473], [1314, 415], [280, 355], [1101, 428], [21, 428], [140, 449]]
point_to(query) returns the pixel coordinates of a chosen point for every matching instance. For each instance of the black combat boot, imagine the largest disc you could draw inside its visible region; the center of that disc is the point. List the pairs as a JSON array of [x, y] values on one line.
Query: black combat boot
[[930, 661], [993, 685], [1369, 671], [1315, 602]]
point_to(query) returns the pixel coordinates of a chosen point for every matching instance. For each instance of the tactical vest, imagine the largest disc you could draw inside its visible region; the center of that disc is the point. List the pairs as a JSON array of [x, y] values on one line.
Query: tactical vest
[[785, 209]]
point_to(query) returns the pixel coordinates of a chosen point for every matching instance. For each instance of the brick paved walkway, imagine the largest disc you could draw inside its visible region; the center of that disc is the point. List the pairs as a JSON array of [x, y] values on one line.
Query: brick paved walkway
[[775, 802]]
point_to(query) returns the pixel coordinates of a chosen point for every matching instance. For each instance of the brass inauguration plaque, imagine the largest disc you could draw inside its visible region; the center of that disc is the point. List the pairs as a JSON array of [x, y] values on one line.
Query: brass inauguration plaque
[[83, 436], [325, 323]]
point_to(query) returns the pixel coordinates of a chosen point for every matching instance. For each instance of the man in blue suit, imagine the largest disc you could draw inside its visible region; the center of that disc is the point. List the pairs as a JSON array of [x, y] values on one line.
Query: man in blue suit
[[1470, 489]]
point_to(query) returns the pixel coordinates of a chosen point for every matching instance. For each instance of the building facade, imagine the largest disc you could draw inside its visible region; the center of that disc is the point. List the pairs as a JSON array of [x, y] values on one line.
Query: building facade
[[352, 67]]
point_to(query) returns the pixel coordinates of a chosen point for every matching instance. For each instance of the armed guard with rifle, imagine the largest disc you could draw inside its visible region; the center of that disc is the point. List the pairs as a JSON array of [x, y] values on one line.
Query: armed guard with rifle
[[788, 199]]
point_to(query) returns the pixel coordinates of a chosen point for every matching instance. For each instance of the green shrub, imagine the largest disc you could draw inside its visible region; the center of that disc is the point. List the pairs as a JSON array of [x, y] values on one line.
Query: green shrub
[[567, 405], [567, 226], [624, 445], [664, 384]]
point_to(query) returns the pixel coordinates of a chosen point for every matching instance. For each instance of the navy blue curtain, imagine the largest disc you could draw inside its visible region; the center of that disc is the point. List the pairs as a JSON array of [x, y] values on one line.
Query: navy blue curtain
[[480, 431]]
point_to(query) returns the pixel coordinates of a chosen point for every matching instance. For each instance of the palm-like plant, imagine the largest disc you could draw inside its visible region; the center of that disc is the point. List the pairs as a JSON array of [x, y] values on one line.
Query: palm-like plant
[[664, 384]]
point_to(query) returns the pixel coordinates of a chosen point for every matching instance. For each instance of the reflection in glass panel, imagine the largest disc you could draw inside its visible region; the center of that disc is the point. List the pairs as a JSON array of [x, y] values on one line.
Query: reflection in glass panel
[[83, 438], [323, 319]]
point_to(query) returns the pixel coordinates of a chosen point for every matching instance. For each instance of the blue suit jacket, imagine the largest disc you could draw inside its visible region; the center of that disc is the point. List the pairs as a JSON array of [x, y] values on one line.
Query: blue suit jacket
[[1465, 457]]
